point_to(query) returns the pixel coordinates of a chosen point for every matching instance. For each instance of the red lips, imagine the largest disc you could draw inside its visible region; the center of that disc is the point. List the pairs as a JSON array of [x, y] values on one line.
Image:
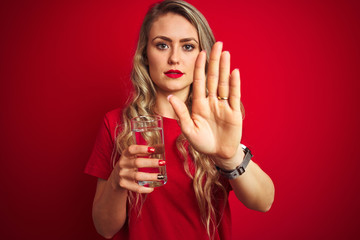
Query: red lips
[[174, 73]]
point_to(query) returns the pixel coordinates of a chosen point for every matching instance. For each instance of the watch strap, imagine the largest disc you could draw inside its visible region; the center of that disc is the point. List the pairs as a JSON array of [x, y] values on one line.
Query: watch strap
[[239, 170]]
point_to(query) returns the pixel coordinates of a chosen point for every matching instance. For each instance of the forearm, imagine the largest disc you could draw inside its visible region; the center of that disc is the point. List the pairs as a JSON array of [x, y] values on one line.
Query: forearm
[[254, 187], [109, 208]]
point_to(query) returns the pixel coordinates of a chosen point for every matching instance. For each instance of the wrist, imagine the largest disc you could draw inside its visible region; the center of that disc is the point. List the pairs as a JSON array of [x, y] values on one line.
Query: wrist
[[233, 162], [239, 169]]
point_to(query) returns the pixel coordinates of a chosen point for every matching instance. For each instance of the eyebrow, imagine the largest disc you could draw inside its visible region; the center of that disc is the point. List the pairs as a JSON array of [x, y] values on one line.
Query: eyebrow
[[169, 40]]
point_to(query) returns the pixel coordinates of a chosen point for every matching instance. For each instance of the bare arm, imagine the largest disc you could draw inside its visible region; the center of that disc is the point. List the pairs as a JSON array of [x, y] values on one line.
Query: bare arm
[[109, 207], [253, 188]]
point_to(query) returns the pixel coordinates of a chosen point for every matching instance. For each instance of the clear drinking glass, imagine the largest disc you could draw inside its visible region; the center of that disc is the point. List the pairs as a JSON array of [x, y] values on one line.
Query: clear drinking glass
[[148, 130]]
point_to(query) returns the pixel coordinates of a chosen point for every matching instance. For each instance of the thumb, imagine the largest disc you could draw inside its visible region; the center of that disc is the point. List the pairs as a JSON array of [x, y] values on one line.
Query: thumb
[[182, 112]]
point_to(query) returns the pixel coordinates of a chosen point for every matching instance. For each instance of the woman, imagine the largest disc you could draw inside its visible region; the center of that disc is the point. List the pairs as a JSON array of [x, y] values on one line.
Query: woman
[[181, 74]]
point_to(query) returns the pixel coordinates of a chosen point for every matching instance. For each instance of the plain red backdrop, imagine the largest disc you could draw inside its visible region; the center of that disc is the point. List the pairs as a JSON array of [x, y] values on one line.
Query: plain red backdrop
[[63, 64]]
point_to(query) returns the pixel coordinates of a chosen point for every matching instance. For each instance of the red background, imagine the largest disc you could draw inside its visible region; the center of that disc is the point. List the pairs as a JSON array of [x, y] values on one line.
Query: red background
[[65, 63]]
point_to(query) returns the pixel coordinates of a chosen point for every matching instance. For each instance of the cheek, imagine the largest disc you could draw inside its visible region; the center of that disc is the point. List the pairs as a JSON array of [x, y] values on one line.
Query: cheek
[[153, 61], [191, 62], [152, 67]]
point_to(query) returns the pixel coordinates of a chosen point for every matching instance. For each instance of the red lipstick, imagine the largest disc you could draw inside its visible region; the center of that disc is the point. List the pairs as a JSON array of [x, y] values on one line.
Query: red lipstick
[[174, 73]]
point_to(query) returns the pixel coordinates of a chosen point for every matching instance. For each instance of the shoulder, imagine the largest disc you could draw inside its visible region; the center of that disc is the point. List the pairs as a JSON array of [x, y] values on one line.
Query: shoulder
[[113, 121], [114, 115]]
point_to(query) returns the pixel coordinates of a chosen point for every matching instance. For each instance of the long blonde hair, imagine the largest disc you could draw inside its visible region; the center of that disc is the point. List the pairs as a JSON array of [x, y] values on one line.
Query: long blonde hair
[[143, 103]]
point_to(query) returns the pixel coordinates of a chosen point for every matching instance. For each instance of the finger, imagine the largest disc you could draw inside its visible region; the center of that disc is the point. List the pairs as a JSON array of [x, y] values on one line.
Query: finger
[[139, 150], [181, 111], [135, 187], [199, 90], [127, 181], [148, 163], [223, 87], [235, 91], [145, 190], [144, 176], [213, 69]]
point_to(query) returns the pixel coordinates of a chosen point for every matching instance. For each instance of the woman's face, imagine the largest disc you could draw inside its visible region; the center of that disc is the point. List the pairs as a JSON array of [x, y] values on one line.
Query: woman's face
[[172, 49]]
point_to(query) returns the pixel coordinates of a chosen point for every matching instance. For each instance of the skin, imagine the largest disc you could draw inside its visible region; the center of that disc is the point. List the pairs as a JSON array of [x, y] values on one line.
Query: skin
[[170, 48], [214, 127]]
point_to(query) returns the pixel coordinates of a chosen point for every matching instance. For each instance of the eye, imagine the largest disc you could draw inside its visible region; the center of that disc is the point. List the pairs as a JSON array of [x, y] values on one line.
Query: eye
[[188, 47], [162, 46]]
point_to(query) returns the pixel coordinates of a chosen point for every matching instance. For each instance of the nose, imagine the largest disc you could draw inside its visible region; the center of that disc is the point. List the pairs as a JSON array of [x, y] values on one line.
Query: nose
[[174, 57]]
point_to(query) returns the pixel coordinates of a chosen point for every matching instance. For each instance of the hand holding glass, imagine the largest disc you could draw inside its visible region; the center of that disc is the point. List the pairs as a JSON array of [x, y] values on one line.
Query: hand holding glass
[[148, 130]]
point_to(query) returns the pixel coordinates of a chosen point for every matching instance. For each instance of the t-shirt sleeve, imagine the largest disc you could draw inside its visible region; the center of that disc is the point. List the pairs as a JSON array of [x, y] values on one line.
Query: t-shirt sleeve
[[100, 162]]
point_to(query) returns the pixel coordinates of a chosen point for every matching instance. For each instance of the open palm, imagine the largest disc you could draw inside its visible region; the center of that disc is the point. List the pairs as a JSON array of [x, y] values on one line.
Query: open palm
[[215, 124]]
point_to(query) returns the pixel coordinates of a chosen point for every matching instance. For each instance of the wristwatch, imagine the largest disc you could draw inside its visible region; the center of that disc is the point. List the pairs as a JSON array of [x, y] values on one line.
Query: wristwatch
[[239, 170]]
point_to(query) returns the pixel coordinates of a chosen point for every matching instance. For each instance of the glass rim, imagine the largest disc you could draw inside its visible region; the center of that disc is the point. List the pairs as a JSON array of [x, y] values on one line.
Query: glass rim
[[142, 118]]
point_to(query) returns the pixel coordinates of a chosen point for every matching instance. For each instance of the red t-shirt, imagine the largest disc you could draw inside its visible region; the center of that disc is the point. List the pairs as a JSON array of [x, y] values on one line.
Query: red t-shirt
[[171, 211]]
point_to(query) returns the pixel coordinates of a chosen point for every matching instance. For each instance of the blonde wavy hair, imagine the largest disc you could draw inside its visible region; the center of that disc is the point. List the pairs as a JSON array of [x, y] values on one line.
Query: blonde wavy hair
[[143, 103]]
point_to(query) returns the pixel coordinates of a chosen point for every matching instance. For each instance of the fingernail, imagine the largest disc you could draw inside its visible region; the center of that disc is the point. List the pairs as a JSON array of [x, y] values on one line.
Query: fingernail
[[151, 149], [160, 177], [169, 96], [162, 162]]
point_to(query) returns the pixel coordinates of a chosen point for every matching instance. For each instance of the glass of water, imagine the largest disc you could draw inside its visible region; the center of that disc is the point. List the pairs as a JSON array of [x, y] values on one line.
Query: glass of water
[[148, 130]]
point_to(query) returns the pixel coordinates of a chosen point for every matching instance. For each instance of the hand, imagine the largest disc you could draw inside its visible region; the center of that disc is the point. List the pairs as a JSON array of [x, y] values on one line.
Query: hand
[[215, 125], [125, 174]]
